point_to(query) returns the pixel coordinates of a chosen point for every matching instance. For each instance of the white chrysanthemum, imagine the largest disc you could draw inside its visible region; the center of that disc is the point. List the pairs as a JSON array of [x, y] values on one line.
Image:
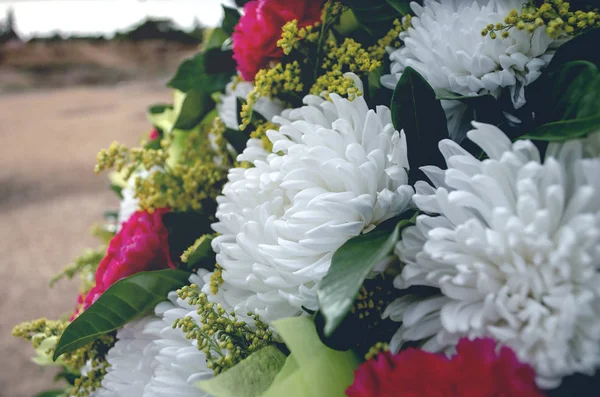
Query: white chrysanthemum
[[513, 243], [151, 359], [227, 108], [446, 47], [342, 172]]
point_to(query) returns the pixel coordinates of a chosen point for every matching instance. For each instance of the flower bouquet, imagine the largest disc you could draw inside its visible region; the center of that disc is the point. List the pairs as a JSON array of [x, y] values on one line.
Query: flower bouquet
[[382, 198]]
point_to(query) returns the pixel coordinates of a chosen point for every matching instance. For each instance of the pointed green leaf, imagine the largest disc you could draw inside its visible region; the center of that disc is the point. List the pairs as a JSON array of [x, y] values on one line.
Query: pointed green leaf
[[193, 74], [377, 16], [350, 265], [565, 99], [417, 112], [52, 393], [231, 17], [249, 378], [237, 138], [215, 39], [124, 301], [203, 254], [189, 108], [312, 369]]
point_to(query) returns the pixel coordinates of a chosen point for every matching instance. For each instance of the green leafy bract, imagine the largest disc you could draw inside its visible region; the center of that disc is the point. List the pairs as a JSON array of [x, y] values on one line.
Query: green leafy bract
[[377, 16], [571, 103], [51, 393], [249, 378], [231, 17], [125, 301], [203, 255], [417, 112], [184, 228], [565, 99], [188, 108], [192, 74], [350, 265], [312, 369]]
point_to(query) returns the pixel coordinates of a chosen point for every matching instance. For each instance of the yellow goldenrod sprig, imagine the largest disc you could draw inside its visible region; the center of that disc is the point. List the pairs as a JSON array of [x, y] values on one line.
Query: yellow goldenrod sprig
[[43, 334], [278, 80], [221, 336], [292, 36], [554, 15], [391, 39], [349, 56], [85, 265], [216, 279]]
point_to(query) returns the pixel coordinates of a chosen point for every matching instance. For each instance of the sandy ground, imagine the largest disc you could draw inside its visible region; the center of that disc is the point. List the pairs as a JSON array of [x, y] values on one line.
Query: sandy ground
[[49, 198]]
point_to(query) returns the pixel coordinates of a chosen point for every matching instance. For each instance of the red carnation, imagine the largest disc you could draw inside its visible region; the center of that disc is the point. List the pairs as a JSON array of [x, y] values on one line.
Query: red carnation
[[477, 370], [255, 36], [141, 244]]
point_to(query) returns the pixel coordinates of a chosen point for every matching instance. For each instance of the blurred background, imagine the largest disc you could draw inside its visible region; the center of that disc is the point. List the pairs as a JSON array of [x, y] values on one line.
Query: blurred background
[[75, 75]]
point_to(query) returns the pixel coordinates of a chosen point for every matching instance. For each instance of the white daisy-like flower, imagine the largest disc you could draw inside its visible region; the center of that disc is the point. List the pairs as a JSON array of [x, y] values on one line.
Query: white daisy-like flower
[[513, 243], [445, 45], [342, 172], [227, 107], [151, 359]]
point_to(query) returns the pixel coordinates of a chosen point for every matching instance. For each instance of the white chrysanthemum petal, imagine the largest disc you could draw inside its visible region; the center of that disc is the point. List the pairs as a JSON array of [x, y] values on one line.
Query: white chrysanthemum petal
[[341, 174], [444, 44], [151, 359], [513, 243]]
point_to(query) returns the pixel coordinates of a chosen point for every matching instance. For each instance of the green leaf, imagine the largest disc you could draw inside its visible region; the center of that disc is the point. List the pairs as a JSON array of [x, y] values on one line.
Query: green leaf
[[565, 129], [312, 369], [231, 17], [51, 393], [161, 116], [117, 190], [442, 93], [184, 228], [249, 378], [416, 110], [215, 39], [565, 99], [192, 74], [237, 139], [189, 108], [567, 102], [402, 6], [125, 301], [203, 254], [377, 16], [350, 265]]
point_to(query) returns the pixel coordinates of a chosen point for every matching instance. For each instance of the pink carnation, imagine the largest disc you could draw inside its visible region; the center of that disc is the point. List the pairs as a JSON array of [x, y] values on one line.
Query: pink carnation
[[141, 244], [255, 36], [477, 370]]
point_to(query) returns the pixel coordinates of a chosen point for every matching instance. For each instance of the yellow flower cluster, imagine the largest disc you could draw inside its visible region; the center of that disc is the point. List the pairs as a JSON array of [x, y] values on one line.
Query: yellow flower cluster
[[183, 184], [261, 133], [280, 79], [291, 36], [183, 187], [85, 265], [216, 279], [349, 56], [377, 348], [224, 338], [391, 39], [555, 15], [44, 334]]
